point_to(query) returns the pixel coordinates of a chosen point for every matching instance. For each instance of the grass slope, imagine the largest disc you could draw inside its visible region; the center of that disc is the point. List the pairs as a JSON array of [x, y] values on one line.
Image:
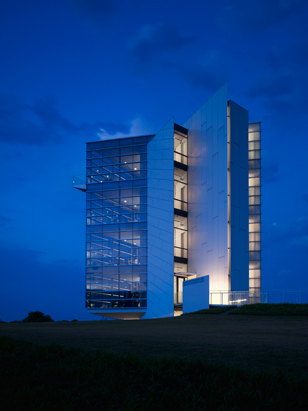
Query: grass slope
[[272, 309], [51, 377], [213, 310]]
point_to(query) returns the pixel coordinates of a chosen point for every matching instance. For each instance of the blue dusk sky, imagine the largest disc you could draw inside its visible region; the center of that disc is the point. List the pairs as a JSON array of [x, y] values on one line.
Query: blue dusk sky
[[74, 71]]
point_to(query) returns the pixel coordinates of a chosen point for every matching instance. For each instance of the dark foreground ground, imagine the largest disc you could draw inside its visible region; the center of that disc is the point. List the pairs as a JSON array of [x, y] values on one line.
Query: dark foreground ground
[[251, 343]]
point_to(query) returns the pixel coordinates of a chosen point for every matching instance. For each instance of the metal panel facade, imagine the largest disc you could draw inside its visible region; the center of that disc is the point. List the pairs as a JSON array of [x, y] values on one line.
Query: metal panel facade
[[160, 223], [208, 191]]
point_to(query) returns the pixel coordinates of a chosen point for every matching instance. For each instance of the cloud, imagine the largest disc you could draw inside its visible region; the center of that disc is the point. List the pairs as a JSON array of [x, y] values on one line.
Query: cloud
[[209, 73], [138, 127], [259, 15], [281, 83], [18, 125], [98, 11], [47, 112], [113, 128], [157, 47], [41, 123], [275, 84], [275, 79], [152, 45]]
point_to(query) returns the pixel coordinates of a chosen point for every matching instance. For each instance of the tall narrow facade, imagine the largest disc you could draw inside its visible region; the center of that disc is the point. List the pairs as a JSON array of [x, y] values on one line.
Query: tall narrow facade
[[178, 205]]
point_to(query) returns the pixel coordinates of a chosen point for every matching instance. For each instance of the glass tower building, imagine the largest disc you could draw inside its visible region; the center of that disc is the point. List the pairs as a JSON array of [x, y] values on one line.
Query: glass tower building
[[166, 208]]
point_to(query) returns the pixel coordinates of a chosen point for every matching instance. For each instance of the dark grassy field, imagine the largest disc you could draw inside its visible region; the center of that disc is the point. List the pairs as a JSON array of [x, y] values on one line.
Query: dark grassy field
[[35, 377], [249, 343], [193, 362]]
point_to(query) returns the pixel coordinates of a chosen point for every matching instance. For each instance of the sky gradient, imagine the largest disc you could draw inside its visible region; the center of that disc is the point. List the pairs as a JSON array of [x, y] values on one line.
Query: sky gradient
[[74, 71]]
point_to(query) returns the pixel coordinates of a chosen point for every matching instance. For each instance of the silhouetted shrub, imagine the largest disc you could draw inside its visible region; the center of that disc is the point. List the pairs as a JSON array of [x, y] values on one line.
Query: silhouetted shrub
[[37, 317]]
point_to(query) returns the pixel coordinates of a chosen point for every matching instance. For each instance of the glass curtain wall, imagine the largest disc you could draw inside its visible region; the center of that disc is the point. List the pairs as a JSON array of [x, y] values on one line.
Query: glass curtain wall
[[116, 260], [254, 155]]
